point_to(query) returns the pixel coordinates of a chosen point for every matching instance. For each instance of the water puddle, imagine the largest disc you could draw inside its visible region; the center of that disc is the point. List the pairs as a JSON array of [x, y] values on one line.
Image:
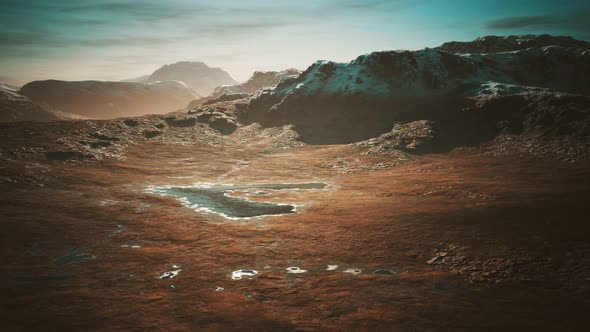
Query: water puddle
[[384, 272], [353, 271], [238, 274], [74, 256], [133, 246], [218, 199], [142, 207], [171, 274], [120, 229], [295, 269]]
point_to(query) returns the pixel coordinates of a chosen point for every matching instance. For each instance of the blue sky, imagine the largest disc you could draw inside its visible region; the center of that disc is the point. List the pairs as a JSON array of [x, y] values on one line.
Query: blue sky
[[117, 39]]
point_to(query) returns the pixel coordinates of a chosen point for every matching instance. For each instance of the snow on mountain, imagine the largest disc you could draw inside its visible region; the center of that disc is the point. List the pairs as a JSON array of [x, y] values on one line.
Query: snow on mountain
[[379, 88], [200, 77], [102, 100], [494, 44], [258, 80], [430, 71]]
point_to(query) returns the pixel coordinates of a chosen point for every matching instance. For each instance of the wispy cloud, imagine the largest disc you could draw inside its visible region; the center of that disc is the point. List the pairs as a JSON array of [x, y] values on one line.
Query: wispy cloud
[[518, 22], [572, 21]]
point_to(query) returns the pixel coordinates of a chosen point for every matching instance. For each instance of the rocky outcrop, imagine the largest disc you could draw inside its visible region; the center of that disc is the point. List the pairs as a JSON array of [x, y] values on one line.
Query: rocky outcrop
[[495, 44], [347, 102], [554, 117], [15, 107], [197, 75], [104, 100], [218, 120], [416, 137], [176, 121], [258, 80]]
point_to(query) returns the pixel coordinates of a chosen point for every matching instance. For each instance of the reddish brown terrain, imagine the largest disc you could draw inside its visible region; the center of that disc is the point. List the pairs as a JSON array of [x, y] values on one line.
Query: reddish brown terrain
[[474, 240]]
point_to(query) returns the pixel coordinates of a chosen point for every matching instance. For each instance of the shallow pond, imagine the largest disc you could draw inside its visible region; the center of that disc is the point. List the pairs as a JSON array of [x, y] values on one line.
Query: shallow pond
[[217, 198]]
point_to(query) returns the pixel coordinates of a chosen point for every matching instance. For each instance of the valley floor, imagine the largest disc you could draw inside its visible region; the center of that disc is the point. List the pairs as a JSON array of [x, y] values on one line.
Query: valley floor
[[475, 242]]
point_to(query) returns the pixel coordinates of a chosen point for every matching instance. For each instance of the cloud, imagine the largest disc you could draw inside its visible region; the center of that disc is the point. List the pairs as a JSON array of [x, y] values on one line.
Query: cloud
[[39, 38], [518, 22], [376, 5], [123, 41], [575, 21], [134, 11]]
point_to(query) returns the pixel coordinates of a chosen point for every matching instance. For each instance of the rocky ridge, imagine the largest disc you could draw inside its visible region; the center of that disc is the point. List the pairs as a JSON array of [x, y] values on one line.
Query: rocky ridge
[[258, 80]]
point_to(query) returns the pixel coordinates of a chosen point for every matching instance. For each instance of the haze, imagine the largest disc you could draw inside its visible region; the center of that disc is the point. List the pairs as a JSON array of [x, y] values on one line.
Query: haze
[[113, 40]]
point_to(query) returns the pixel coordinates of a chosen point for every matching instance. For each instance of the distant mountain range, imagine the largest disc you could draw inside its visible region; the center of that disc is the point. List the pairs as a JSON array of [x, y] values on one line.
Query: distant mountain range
[[104, 100], [169, 88]]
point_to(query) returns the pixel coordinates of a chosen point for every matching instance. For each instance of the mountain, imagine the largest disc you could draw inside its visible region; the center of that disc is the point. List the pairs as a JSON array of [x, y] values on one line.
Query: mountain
[[140, 79], [15, 107], [258, 80], [495, 44], [103, 100], [197, 75], [348, 102]]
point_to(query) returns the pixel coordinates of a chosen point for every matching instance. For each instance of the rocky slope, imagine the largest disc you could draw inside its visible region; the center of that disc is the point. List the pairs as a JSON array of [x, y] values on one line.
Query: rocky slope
[[258, 80], [197, 75], [347, 102], [103, 100], [494, 44], [15, 107]]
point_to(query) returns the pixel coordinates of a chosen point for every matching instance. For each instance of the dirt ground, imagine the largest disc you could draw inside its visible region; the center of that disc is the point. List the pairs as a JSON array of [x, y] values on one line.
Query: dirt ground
[[474, 242]]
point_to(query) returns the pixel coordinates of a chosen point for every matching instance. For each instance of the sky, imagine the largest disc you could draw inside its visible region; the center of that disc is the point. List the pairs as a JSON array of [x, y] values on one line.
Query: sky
[[121, 39]]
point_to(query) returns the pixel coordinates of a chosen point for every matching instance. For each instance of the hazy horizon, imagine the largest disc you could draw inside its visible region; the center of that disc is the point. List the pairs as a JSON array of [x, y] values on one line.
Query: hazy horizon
[[116, 40]]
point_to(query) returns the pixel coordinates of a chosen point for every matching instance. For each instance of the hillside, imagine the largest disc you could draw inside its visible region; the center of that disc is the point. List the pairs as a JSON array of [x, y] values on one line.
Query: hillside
[[104, 100], [15, 107]]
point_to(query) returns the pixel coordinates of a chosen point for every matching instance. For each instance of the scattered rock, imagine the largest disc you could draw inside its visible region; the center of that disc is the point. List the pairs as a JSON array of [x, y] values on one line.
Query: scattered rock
[[151, 133], [175, 121], [132, 122], [416, 137], [218, 121]]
